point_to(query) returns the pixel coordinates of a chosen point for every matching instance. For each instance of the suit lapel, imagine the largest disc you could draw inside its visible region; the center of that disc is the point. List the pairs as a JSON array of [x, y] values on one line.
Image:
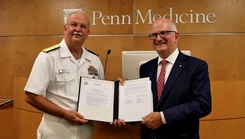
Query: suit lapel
[[153, 76], [177, 68]]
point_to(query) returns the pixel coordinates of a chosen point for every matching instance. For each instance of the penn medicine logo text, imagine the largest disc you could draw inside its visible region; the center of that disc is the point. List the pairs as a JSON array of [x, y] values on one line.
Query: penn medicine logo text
[[190, 17]]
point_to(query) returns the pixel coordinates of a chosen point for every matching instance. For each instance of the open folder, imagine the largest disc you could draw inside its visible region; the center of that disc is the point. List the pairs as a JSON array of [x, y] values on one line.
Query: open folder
[[105, 101]]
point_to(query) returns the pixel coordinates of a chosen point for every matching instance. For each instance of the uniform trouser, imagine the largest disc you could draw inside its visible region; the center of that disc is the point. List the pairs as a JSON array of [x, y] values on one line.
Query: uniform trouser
[[52, 127]]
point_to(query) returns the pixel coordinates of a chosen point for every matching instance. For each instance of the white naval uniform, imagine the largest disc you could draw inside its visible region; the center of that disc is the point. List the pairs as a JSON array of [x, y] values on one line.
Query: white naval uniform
[[55, 75]]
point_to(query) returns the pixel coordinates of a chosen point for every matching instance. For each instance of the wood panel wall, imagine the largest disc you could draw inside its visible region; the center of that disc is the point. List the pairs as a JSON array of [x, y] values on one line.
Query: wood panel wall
[[26, 27]]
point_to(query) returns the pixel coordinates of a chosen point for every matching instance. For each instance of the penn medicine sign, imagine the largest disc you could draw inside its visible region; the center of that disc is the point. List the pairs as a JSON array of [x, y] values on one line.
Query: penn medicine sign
[[189, 17]]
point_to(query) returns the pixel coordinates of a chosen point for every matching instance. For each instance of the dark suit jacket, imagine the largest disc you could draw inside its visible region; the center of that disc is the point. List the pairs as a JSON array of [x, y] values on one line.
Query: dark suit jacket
[[186, 98]]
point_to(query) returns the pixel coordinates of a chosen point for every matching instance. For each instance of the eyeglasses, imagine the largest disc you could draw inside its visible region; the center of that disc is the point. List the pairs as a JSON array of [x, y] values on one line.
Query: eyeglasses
[[164, 33], [75, 25]]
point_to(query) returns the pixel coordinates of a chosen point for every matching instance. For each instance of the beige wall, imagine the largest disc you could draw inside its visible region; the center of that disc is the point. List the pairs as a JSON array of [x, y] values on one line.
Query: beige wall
[[26, 27]]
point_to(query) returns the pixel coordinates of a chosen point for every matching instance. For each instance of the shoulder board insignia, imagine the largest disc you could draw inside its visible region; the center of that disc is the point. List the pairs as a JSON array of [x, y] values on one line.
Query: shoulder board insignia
[[51, 48], [92, 52]]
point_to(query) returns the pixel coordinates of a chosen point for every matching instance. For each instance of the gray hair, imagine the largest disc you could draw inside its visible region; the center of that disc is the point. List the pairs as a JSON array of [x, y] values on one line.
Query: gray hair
[[69, 12]]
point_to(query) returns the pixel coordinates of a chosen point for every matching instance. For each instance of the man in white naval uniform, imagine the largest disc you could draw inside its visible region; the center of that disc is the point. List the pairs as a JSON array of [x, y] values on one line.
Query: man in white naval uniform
[[53, 84]]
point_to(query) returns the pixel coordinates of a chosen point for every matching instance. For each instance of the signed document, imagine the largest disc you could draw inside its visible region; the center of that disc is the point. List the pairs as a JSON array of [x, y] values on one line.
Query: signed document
[[105, 101]]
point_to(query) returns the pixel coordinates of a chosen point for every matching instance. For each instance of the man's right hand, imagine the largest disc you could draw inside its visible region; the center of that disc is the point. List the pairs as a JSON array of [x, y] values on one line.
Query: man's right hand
[[74, 117]]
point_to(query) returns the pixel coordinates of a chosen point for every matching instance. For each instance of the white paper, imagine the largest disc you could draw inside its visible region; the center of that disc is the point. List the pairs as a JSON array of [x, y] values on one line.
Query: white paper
[[96, 99], [135, 99]]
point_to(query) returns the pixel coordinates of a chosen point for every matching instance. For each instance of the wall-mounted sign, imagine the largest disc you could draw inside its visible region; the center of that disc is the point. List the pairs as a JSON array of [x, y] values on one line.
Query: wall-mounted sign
[[189, 17]]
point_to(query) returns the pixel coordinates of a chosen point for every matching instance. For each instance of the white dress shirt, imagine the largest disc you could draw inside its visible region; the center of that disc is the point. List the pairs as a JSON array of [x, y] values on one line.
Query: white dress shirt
[[171, 60]]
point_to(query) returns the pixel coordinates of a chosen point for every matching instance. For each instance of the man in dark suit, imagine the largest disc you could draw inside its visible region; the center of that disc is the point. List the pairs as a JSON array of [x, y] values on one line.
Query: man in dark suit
[[185, 97]]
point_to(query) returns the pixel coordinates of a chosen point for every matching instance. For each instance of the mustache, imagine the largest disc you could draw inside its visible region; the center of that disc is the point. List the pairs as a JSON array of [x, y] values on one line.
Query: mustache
[[78, 33]]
